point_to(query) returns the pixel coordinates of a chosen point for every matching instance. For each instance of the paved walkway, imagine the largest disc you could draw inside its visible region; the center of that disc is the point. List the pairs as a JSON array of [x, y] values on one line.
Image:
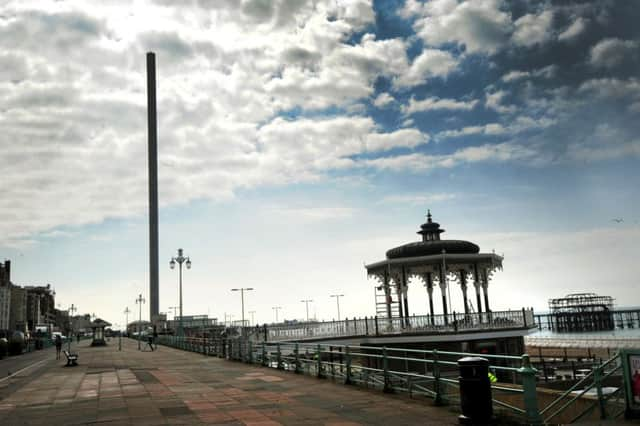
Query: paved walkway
[[169, 386]]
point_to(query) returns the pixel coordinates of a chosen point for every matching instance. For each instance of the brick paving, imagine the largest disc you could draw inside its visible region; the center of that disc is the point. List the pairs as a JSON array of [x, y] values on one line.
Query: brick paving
[[169, 386]]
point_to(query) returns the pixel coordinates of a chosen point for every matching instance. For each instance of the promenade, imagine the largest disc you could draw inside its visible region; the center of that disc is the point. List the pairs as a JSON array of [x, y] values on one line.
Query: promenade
[[170, 386]]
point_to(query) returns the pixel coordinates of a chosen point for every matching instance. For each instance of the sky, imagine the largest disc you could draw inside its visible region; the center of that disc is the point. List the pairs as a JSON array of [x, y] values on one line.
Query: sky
[[299, 140]]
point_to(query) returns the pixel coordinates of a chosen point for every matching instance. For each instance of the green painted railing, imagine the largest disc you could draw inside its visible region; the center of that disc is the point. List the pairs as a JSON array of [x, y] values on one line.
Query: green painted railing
[[431, 373]]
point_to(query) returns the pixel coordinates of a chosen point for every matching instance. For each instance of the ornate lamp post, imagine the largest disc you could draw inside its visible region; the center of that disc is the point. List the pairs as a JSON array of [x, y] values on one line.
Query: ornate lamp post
[[306, 302], [242, 290], [126, 319], [140, 301], [338, 296], [72, 310], [180, 260]]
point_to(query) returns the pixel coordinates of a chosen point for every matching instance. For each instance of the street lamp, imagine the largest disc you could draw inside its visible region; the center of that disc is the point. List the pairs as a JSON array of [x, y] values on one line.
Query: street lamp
[[72, 310], [242, 290], [126, 319], [277, 308], [338, 296], [252, 321], [306, 302], [140, 301], [180, 259]]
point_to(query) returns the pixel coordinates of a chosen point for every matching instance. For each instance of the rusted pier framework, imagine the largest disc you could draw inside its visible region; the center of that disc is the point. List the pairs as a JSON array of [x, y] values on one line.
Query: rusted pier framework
[[580, 312]]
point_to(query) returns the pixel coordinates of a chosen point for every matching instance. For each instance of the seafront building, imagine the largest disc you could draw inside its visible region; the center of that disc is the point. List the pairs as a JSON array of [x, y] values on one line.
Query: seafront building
[[5, 294], [28, 308]]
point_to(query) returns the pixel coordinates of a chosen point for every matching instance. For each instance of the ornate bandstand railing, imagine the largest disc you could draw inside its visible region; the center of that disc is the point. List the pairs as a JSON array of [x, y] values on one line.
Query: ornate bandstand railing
[[376, 326]]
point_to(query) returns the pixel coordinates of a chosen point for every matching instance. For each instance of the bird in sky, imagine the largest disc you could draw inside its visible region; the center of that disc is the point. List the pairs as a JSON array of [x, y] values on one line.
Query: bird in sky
[[617, 220]]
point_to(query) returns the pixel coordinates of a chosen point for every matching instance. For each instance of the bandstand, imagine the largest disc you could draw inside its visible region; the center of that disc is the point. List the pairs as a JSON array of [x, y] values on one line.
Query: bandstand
[[438, 264]]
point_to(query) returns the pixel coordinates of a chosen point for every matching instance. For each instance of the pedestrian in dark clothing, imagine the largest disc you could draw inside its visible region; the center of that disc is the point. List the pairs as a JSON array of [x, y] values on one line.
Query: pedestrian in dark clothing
[[58, 346], [78, 337]]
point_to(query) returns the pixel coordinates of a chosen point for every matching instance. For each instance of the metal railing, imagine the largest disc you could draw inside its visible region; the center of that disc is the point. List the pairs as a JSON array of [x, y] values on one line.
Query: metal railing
[[376, 326], [431, 373]]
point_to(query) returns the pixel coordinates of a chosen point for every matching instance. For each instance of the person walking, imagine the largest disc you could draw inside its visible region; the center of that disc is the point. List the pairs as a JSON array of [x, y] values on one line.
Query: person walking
[[58, 346]]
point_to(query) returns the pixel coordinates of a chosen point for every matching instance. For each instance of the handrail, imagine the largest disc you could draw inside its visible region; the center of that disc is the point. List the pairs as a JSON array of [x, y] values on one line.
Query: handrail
[[429, 372]]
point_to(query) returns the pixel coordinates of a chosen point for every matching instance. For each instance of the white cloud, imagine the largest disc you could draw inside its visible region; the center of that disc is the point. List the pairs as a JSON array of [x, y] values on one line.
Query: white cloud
[[430, 63], [402, 138], [515, 75], [517, 125], [417, 199], [532, 29], [430, 104], [417, 162], [479, 25], [383, 100], [610, 52], [494, 101], [574, 30], [611, 87]]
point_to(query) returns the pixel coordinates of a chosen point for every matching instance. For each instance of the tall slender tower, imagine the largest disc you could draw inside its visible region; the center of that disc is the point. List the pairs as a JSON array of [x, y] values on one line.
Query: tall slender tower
[[154, 305]]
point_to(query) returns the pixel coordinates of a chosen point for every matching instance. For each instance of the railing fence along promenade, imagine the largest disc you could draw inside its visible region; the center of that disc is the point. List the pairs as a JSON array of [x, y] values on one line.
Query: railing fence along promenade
[[430, 373], [375, 326]]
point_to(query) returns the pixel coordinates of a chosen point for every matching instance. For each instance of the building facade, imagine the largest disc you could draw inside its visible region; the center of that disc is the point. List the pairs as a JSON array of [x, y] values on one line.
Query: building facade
[[5, 294], [18, 313]]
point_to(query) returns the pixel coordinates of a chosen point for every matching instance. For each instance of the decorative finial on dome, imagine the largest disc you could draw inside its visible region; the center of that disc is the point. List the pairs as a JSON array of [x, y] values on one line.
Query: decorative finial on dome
[[428, 215]]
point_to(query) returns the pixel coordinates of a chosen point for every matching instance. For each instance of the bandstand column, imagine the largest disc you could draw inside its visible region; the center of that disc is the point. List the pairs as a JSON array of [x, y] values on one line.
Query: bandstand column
[[387, 294], [429, 282], [443, 290], [463, 286], [405, 291], [476, 284], [485, 289], [398, 283]]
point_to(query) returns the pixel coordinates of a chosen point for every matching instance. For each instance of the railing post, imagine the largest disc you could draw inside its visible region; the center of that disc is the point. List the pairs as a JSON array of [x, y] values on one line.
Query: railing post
[[278, 357], [437, 399], [250, 358], [524, 318], [528, 374], [366, 326], [264, 354], [347, 380], [376, 320], [296, 353], [385, 371], [597, 381], [319, 356], [455, 322]]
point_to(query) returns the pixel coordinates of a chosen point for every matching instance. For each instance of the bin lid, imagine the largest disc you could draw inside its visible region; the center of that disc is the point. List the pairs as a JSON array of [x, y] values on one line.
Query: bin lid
[[472, 361]]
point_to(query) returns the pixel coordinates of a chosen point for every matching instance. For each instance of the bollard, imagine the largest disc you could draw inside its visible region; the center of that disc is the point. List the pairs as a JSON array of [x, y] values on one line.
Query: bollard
[[475, 391]]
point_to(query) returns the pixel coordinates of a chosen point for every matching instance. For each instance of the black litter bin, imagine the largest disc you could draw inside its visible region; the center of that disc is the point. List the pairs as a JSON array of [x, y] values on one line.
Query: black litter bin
[[475, 391]]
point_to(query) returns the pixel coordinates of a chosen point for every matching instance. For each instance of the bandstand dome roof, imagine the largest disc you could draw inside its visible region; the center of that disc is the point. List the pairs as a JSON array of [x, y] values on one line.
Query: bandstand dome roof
[[426, 248], [432, 244]]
